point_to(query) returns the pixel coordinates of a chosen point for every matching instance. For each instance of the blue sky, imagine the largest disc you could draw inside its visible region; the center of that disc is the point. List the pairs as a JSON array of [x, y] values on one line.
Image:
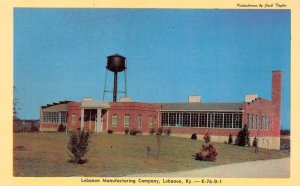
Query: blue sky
[[220, 55]]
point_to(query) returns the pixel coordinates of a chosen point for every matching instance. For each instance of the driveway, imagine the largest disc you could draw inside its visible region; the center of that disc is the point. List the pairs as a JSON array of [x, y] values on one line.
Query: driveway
[[275, 168]]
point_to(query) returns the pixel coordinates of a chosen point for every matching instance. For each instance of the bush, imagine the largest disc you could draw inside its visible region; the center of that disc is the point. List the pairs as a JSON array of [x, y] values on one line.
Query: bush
[[78, 146], [109, 131], [159, 139], [152, 131], [230, 139], [242, 138], [34, 129], [168, 131], [285, 132], [61, 128], [133, 132], [194, 136], [126, 131], [206, 138]]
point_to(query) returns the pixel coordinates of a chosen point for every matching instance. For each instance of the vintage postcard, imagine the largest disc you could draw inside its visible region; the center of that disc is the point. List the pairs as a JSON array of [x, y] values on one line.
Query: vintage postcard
[[147, 93]]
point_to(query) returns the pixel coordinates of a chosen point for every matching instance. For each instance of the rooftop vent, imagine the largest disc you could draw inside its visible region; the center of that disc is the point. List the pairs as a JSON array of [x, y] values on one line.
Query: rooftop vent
[[87, 99], [125, 99], [194, 99], [250, 97]]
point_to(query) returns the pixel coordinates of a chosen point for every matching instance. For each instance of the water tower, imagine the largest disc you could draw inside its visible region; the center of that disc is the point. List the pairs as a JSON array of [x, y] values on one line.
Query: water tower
[[115, 63]]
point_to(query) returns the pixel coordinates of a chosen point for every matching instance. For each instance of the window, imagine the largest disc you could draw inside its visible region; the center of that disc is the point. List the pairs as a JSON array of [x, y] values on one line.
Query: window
[[194, 119], [269, 123], [126, 120], [265, 122], [150, 121], [218, 120], [164, 119], [64, 117], [186, 119], [253, 121], [172, 119], [139, 121], [74, 119], [203, 119], [261, 122], [228, 120], [114, 120], [55, 117], [179, 119], [248, 121], [50, 117], [256, 122], [237, 122], [211, 120]]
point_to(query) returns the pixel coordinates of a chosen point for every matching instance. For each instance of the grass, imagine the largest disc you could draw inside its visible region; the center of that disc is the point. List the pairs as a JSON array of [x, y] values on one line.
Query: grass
[[46, 154]]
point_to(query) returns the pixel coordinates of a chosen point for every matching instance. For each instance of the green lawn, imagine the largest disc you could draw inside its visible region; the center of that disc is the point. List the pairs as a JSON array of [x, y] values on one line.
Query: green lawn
[[46, 154]]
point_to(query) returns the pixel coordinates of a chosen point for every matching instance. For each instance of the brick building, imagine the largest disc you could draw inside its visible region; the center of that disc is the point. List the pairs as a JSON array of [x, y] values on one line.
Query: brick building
[[219, 119]]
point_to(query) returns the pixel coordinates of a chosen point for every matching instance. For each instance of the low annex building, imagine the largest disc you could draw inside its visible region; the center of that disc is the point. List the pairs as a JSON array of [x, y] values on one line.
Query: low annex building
[[262, 116]]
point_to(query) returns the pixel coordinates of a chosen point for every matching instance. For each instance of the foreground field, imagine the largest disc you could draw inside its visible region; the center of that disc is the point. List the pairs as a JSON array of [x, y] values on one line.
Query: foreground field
[[46, 154]]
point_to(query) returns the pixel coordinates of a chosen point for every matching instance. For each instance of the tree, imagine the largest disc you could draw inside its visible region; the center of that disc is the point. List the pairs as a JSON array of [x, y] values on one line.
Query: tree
[[15, 108], [230, 139], [78, 145], [159, 139], [243, 137]]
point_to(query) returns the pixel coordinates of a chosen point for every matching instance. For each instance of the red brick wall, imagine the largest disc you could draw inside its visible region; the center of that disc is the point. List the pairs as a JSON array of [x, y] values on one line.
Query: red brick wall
[[263, 107], [260, 107], [74, 109], [202, 131], [49, 126], [133, 109]]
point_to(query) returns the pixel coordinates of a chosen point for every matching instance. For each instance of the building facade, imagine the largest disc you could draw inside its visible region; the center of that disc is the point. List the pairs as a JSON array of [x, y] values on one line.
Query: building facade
[[218, 119]]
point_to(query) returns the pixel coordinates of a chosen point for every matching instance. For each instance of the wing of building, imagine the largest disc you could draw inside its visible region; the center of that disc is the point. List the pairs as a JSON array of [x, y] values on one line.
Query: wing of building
[[262, 116]]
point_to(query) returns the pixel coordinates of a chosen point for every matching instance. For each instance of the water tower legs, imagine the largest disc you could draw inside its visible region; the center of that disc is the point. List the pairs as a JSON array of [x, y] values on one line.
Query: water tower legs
[[115, 87]]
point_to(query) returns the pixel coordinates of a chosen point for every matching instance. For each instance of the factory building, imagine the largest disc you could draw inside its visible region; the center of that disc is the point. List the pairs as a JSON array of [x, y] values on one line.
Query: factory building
[[218, 119]]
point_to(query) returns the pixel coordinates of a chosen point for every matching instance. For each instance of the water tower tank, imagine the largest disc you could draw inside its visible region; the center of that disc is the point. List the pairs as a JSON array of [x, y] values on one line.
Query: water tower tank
[[116, 63]]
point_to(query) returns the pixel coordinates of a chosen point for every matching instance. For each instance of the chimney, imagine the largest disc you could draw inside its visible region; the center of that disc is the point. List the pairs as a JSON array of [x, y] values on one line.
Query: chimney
[[276, 102], [194, 99], [276, 89]]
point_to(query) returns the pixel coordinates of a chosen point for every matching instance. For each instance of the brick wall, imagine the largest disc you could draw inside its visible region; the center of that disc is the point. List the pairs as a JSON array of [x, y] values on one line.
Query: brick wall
[[263, 107], [133, 109], [74, 112]]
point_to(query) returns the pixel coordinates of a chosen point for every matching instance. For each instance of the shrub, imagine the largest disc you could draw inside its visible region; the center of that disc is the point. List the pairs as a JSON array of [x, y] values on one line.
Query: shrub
[[168, 131], [159, 139], [109, 131], [206, 138], [61, 128], [152, 131], [133, 132], [78, 146], [34, 129], [242, 138], [194, 136], [126, 131], [230, 139]]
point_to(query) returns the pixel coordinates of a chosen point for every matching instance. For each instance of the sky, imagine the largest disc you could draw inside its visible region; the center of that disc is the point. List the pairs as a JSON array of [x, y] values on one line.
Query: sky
[[220, 55]]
